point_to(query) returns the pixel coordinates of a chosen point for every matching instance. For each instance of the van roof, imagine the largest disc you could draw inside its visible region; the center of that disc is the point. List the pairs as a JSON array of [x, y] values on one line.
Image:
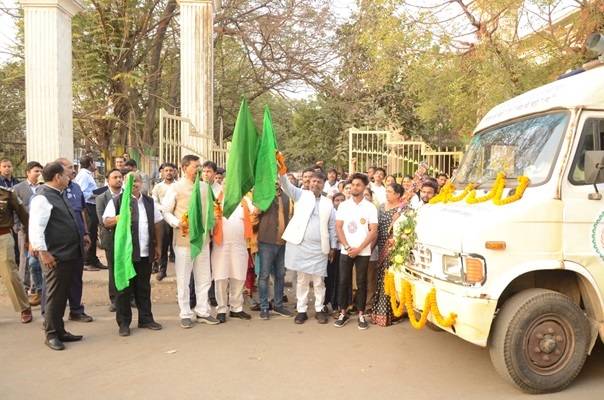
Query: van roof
[[585, 90]]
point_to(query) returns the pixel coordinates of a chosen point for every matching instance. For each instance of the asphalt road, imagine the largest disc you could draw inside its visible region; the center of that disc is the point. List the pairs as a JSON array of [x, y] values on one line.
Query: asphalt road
[[255, 359]]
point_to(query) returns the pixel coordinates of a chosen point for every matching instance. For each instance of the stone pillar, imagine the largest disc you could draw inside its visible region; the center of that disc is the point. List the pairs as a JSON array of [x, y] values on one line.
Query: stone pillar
[[196, 69], [48, 90]]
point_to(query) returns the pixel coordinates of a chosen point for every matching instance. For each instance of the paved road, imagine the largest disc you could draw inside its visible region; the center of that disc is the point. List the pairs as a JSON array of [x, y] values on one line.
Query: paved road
[[255, 359]]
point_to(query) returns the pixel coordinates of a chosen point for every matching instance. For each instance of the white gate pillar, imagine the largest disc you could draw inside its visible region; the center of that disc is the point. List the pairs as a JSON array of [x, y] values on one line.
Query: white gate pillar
[[48, 90], [196, 68]]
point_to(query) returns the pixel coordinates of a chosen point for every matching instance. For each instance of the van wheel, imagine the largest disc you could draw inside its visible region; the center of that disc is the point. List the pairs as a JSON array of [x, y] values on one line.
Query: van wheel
[[539, 341]]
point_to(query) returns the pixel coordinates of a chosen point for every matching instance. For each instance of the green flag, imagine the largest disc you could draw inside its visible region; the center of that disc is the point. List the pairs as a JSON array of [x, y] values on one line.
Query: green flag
[[242, 160], [209, 220], [266, 166], [194, 213], [123, 269]]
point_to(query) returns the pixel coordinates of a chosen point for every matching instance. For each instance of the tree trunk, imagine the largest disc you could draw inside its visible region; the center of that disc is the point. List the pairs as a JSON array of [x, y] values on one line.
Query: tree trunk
[[155, 69]]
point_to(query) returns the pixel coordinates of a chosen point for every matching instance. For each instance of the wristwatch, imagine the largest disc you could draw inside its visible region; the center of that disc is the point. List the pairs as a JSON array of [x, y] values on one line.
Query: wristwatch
[[346, 247]]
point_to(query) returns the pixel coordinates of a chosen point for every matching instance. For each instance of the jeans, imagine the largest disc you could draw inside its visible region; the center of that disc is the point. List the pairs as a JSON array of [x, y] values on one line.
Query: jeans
[[346, 263], [271, 255], [36, 273]]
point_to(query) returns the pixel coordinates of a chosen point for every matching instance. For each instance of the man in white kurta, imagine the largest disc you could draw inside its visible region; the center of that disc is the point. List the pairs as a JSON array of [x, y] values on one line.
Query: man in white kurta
[[229, 263], [311, 241], [175, 204]]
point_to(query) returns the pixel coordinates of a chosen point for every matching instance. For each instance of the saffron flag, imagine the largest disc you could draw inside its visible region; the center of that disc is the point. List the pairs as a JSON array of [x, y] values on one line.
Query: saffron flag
[[266, 166], [242, 160], [194, 212], [123, 269]]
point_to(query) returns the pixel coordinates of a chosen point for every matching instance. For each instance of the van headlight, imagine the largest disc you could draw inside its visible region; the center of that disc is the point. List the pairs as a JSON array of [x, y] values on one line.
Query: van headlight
[[452, 266]]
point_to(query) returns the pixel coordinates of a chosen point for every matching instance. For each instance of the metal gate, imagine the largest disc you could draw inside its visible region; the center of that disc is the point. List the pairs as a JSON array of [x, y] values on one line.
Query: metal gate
[[398, 156], [178, 137]]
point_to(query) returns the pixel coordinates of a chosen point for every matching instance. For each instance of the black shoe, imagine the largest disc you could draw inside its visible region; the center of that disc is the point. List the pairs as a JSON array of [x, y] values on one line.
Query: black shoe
[[221, 317], [124, 330], [213, 303], [154, 269], [161, 275], [321, 317], [240, 315], [99, 265], [68, 337], [285, 299], [112, 307], [300, 318], [154, 326], [54, 344], [255, 307], [80, 317]]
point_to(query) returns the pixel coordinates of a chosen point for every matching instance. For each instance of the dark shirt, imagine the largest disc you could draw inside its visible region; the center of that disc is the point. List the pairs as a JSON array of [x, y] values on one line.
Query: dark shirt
[[8, 183], [74, 196]]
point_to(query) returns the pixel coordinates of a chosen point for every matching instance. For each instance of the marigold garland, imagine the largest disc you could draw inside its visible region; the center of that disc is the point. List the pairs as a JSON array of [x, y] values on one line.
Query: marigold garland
[[406, 300], [446, 194], [462, 195], [523, 182], [185, 220], [472, 199]]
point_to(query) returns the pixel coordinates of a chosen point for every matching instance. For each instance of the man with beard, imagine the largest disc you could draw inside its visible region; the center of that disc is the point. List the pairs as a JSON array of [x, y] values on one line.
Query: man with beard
[[114, 182]]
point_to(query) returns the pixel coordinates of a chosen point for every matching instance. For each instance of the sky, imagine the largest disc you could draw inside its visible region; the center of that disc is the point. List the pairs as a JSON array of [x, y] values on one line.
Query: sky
[[8, 31]]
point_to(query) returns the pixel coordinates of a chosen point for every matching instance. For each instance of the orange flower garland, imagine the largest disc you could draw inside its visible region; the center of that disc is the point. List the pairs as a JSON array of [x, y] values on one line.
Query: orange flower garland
[[472, 199], [496, 193], [523, 183], [462, 195], [444, 194], [185, 220], [406, 300]]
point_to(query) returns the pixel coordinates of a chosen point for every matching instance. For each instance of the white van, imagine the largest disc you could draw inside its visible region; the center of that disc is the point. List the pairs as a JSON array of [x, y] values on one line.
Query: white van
[[525, 278]]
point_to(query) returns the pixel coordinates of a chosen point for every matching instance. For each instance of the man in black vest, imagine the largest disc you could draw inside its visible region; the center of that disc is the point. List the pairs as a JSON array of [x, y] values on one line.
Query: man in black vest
[[145, 239], [55, 237]]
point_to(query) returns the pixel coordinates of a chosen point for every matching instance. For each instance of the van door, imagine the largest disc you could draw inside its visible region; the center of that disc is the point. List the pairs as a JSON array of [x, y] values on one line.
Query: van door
[[583, 219]]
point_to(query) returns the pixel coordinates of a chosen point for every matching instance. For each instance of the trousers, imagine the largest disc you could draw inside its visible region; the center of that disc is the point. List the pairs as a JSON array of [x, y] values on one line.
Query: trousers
[[140, 287], [200, 267], [58, 283], [303, 288], [346, 264], [9, 272], [229, 292]]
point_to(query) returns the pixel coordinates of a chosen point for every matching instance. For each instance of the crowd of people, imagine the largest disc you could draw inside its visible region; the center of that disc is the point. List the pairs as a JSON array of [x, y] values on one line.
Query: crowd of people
[[328, 228]]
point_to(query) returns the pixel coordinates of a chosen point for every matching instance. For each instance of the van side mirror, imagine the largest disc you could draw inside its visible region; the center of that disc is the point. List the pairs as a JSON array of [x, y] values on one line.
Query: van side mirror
[[594, 171]]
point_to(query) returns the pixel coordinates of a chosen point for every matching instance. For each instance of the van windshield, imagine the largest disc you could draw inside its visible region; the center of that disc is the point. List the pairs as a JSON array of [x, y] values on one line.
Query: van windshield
[[526, 147]]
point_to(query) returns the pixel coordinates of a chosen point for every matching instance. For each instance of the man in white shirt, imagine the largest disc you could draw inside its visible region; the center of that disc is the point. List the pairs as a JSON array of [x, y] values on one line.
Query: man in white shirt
[[168, 172], [377, 187], [426, 193], [208, 173], [114, 183], [331, 185], [175, 205], [146, 239], [356, 226], [311, 242], [55, 237], [85, 179]]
